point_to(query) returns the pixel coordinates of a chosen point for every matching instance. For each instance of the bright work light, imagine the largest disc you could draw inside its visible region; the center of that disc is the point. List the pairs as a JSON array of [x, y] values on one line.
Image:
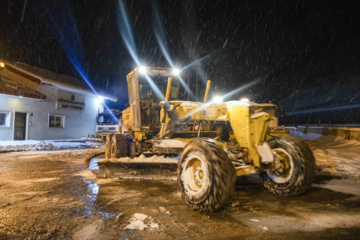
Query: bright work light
[[100, 100], [142, 70], [244, 100], [176, 71], [218, 99]]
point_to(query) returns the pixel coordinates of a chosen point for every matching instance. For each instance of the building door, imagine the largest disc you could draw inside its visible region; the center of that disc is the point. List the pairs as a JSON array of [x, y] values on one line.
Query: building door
[[20, 126]]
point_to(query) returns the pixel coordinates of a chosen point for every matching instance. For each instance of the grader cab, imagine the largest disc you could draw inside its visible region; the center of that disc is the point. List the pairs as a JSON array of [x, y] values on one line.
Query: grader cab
[[216, 141]]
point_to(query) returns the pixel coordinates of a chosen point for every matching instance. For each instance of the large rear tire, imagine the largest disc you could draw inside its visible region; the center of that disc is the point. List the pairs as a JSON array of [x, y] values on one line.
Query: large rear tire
[[108, 146], [206, 176], [119, 147], [294, 170], [131, 146], [132, 150]]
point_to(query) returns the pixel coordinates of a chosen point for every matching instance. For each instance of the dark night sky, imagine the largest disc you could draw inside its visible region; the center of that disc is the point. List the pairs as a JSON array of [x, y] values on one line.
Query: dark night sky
[[289, 46]]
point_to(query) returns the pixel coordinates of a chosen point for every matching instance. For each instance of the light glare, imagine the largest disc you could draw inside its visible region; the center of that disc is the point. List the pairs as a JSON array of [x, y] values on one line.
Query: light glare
[[218, 99], [176, 71], [100, 99], [142, 70]]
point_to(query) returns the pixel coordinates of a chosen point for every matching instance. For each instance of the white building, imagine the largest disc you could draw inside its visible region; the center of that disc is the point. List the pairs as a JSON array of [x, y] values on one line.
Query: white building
[[38, 104]]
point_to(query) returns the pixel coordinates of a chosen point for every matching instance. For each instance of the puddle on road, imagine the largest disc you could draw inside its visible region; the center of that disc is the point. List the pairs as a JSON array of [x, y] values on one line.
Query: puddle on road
[[93, 192], [91, 207], [93, 162]]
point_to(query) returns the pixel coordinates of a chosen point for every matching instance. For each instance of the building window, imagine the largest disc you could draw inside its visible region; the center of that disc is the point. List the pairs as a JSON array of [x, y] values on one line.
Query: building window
[[4, 119], [56, 121]]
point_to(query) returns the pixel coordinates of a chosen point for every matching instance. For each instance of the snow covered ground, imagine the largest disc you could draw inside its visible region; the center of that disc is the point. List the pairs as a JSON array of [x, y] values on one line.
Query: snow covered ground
[[334, 155], [42, 187], [33, 145]]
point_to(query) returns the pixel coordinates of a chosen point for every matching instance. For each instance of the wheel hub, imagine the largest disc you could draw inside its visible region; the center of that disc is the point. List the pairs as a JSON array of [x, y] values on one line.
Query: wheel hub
[[283, 166], [195, 174], [199, 174]]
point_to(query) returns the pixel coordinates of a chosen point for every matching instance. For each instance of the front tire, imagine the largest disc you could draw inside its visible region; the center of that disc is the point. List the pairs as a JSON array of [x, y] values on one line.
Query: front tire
[[132, 150], [294, 169], [131, 146], [119, 146], [108, 146], [205, 175]]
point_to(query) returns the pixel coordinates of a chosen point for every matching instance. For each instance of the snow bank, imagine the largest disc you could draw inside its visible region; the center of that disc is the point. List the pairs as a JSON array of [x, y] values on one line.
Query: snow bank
[[33, 145], [308, 136], [334, 155]]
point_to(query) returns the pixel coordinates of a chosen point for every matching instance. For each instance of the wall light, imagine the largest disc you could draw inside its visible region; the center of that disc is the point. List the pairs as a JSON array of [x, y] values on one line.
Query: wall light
[[100, 100]]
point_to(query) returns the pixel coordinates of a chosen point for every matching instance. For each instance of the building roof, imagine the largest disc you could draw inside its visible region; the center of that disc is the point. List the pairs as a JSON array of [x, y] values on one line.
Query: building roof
[[13, 88], [46, 77]]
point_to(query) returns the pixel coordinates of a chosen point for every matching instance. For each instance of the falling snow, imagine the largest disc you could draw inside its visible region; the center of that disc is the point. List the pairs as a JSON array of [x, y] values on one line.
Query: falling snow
[[304, 53]]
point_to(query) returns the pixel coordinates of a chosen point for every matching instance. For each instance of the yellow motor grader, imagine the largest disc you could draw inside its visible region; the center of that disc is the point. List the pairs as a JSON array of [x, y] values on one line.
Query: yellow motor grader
[[216, 140]]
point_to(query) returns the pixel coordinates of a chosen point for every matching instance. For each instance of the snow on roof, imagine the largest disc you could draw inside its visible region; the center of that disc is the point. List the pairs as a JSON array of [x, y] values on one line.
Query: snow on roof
[[62, 81], [56, 80], [10, 87]]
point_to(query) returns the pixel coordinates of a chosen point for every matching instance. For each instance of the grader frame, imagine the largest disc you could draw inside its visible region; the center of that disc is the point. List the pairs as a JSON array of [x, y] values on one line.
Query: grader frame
[[215, 141]]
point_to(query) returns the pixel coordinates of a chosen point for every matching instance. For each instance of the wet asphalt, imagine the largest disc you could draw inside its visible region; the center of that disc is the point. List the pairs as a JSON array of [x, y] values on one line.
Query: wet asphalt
[[55, 195]]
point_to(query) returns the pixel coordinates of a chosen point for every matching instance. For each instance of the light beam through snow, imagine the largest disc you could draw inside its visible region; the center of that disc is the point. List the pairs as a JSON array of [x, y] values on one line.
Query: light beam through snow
[[128, 38], [70, 40], [205, 105]]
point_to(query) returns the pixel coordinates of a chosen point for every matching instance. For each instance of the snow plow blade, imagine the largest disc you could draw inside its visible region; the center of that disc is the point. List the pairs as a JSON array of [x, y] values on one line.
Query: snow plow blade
[[155, 167]]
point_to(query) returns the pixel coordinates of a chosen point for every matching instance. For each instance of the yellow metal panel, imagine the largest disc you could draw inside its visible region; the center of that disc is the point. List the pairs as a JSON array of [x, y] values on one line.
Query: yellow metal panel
[[207, 90], [249, 131], [168, 89], [258, 128], [239, 120], [131, 72]]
